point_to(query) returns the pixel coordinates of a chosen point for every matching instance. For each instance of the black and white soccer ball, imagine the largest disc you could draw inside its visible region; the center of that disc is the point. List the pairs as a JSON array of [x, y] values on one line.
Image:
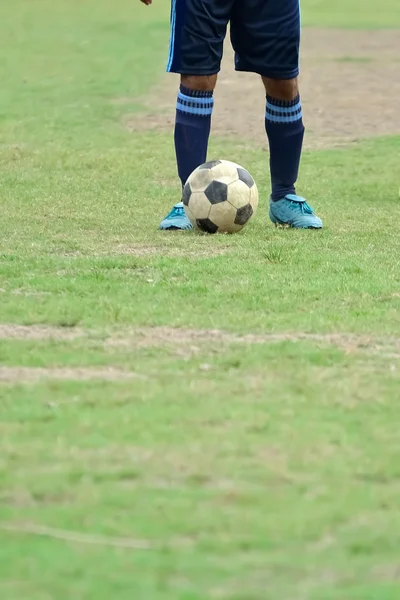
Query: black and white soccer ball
[[220, 196]]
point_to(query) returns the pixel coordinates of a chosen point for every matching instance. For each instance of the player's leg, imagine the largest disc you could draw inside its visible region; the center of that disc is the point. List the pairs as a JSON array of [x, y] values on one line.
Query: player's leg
[[198, 29], [285, 131], [266, 36], [193, 122], [192, 131]]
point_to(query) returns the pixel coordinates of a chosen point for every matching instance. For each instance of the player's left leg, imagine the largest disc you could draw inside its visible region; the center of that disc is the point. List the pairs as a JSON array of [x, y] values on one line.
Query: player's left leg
[[285, 131], [266, 37]]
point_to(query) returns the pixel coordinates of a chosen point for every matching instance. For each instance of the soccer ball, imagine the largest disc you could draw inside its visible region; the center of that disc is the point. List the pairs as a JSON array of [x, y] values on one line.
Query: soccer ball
[[220, 196]]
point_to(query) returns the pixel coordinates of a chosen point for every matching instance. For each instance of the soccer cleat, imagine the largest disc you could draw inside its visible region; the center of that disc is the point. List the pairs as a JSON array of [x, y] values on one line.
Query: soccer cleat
[[294, 211], [176, 219]]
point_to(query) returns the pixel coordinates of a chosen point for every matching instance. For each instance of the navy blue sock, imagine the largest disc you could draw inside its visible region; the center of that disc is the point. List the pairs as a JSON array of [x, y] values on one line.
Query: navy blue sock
[[192, 130], [285, 131]]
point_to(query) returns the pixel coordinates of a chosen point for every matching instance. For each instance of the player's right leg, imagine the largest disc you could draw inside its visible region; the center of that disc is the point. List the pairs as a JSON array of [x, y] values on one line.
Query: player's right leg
[[192, 131], [198, 29]]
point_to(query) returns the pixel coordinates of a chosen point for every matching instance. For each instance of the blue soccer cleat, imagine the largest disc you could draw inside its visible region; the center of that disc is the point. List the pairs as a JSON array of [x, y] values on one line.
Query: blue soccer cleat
[[294, 211], [176, 219]]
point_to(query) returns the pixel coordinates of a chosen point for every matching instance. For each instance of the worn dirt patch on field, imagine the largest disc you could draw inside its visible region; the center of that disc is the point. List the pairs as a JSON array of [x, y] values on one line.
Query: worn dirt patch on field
[[194, 340], [35, 374], [38, 332], [181, 341], [345, 76]]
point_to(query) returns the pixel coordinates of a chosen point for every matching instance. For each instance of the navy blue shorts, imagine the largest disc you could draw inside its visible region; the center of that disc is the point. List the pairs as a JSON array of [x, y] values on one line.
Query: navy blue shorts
[[265, 35]]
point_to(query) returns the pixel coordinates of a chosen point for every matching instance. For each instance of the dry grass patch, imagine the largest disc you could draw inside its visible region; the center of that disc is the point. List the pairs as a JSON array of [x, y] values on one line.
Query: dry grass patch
[[182, 340], [38, 332], [15, 375], [192, 341]]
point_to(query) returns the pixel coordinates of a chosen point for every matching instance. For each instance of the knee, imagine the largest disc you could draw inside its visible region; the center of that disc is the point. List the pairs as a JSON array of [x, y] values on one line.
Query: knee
[[201, 83], [281, 89]]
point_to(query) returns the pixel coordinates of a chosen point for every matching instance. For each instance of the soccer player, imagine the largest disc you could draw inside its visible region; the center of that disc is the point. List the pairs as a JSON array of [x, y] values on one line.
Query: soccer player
[[265, 35]]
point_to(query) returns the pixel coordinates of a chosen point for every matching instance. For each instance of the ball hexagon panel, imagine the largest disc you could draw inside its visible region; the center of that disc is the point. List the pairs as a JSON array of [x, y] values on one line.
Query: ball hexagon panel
[[207, 225], [200, 179], [238, 194], [190, 216], [254, 197], [243, 214], [233, 164], [199, 205], [225, 171], [224, 216], [216, 192]]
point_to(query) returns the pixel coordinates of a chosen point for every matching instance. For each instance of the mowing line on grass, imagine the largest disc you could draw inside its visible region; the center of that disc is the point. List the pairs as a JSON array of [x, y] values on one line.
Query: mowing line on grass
[[86, 538], [34, 374]]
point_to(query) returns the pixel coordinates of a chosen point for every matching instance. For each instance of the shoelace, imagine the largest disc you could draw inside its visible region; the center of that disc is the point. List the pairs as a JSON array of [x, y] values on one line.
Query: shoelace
[[302, 207], [178, 211]]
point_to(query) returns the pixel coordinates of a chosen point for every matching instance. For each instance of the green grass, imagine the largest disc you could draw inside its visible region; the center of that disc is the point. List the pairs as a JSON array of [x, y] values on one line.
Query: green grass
[[239, 471], [351, 13], [74, 257]]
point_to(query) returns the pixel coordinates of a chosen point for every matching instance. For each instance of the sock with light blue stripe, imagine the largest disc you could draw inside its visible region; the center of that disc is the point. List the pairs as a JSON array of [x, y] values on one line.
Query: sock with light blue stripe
[[192, 129], [285, 131]]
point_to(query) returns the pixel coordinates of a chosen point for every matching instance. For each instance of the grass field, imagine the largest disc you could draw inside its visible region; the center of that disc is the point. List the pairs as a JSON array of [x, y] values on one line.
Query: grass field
[[184, 416]]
